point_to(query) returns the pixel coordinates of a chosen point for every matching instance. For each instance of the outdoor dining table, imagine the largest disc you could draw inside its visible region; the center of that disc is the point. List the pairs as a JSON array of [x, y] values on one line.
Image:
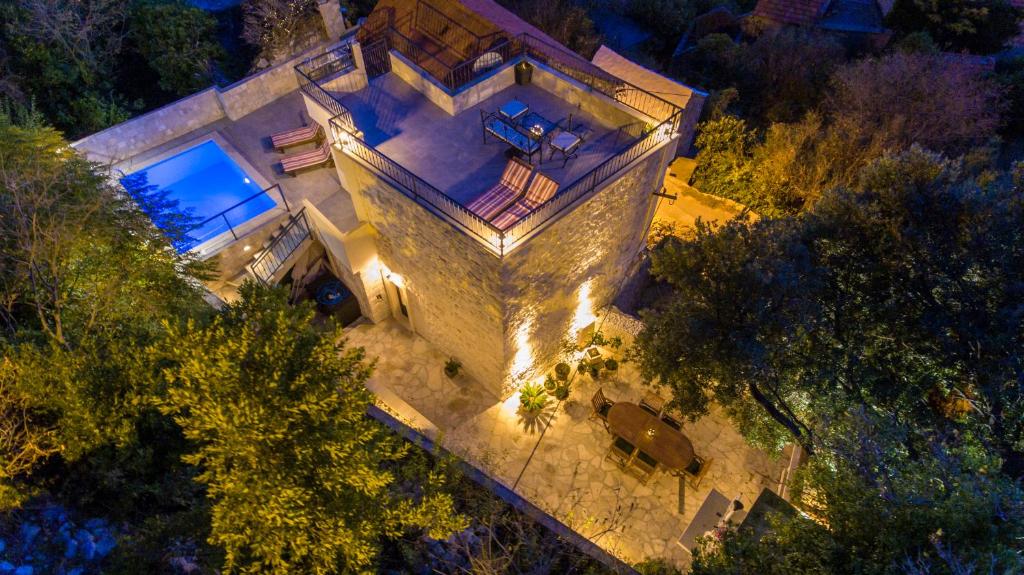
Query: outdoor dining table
[[652, 435]]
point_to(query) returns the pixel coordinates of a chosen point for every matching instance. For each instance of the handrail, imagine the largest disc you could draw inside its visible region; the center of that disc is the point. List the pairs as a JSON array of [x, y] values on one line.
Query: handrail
[[223, 213], [267, 263]]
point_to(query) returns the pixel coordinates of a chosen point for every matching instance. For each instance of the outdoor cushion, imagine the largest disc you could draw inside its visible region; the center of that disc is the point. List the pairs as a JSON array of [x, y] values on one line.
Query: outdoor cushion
[[504, 193], [510, 135], [541, 190], [297, 136], [302, 160]]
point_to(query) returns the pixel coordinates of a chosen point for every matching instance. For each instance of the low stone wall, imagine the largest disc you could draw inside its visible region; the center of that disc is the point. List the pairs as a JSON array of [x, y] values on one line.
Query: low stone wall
[[590, 101], [157, 127], [135, 136]]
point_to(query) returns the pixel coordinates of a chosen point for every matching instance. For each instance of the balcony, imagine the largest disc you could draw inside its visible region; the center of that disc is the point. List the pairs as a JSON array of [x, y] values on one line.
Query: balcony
[[442, 160]]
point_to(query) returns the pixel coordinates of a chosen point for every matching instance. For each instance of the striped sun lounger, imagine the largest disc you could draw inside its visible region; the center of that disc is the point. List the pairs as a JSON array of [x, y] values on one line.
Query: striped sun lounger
[[542, 189], [504, 193], [303, 135], [303, 160]]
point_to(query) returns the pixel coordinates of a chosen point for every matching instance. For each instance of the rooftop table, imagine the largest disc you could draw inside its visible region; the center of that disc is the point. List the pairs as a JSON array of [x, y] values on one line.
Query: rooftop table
[[653, 436]]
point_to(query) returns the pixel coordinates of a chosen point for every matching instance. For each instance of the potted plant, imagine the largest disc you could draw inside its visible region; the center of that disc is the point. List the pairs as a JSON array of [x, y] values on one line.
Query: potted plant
[[452, 367], [595, 370], [581, 367], [610, 364], [524, 73], [532, 398], [550, 385], [562, 392], [562, 371]]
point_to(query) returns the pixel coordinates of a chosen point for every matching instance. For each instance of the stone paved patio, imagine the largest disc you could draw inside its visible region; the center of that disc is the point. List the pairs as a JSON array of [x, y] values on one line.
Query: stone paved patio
[[558, 460]]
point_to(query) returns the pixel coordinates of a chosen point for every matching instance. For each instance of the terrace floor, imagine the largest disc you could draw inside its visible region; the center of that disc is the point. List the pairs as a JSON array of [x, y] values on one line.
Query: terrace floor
[[449, 152], [562, 469]]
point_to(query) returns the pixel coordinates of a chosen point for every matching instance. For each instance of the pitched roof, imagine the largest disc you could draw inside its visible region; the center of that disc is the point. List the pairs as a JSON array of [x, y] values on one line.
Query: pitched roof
[[853, 16], [798, 12], [643, 78]]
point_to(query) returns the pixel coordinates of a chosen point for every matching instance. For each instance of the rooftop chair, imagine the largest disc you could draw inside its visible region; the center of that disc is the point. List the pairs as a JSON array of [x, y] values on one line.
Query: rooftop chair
[[303, 160], [303, 135], [504, 193], [541, 190], [602, 405], [621, 452]]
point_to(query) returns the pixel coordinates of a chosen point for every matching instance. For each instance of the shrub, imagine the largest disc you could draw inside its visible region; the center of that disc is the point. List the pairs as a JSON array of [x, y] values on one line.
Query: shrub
[[562, 371], [179, 42], [452, 367], [562, 392], [532, 398]]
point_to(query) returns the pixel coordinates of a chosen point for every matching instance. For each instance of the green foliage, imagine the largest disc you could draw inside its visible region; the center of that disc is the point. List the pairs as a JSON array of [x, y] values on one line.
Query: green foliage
[[611, 364], [562, 392], [178, 42], [562, 371], [452, 367], [1010, 76], [979, 26], [297, 473], [532, 398], [802, 319], [564, 20]]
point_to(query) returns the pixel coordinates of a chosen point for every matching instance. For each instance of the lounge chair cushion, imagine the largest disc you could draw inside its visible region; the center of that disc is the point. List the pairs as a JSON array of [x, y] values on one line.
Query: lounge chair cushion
[[296, 136], [541, 190], [504, 193], [302, 160]]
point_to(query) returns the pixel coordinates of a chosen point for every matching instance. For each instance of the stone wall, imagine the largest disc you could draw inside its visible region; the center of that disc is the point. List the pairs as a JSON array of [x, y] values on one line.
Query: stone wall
[[128, 139], [587, 250], [157, 127], [452, 282]]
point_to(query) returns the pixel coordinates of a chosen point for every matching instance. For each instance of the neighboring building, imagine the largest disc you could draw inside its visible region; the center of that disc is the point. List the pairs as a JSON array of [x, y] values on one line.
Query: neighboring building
[[398, 221], [858, 22]]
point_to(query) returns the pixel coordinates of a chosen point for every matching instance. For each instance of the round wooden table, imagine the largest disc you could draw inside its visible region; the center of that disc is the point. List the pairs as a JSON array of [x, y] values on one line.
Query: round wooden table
[[653, 436]]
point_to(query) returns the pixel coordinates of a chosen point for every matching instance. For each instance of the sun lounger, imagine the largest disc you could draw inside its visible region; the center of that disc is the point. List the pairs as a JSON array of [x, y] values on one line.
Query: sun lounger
[[321, 155], [504, 193], [303, 135], [542, 189]]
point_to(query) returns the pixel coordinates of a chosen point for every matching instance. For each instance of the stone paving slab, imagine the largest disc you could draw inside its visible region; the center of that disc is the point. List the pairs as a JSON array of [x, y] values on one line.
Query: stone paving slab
[[557, 460]]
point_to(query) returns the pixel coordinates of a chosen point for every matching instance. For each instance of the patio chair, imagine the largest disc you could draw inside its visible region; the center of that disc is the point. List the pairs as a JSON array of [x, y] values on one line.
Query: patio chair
[[602, 405], [303, 135], [671, 421], [321, 156], [643, 466], [696, 471], [567, 142], [652, 404], [621, 452], [504, 193], [542, 189]]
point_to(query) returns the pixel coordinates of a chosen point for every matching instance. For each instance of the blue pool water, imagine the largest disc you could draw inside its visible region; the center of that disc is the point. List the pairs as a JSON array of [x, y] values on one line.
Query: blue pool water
[[205, 179]]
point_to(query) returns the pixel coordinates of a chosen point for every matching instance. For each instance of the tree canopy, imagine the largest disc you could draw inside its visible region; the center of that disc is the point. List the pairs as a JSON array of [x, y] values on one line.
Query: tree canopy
[[296, 471]]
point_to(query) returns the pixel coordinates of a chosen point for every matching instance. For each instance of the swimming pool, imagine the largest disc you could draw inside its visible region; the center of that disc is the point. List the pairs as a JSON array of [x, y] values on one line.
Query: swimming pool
[[205, 179]]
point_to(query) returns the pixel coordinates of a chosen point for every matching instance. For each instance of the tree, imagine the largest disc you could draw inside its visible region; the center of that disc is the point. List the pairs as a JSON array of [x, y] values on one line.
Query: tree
[[896, 298], [179, 42], [900, 99], [881, 507], [563, 20], [979, 26], [279, 27], [85, 281], [297, 473]]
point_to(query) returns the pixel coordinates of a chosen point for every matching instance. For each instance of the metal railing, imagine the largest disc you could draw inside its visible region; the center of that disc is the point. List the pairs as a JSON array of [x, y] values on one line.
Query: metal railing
[[416, 188], [333, 61], [347, 135], [270, 260], [223, 214]]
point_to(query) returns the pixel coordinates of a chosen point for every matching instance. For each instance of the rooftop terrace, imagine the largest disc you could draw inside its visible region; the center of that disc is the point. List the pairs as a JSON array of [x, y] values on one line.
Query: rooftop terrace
[[442, 159]]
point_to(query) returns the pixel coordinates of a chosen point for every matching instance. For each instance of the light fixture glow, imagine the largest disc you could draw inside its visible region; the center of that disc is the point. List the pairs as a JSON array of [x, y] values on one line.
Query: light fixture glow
[[584, 315], [246, 248], [523, 359], [247, 180]]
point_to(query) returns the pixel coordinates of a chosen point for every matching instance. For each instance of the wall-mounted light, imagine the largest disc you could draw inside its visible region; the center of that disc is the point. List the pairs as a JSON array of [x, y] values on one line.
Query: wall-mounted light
[[246, 248], [396, 279]]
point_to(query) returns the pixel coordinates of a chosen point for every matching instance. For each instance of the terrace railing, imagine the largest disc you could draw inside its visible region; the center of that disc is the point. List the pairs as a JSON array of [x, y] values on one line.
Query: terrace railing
[[347, 135], [210, 222], [314, 70], [415, 187], [270, 260]]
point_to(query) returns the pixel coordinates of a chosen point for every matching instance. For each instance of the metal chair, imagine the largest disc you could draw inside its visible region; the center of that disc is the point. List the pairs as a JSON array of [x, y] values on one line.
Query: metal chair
[[652, 404], [643, 466], [602, 405], [621, 452]]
